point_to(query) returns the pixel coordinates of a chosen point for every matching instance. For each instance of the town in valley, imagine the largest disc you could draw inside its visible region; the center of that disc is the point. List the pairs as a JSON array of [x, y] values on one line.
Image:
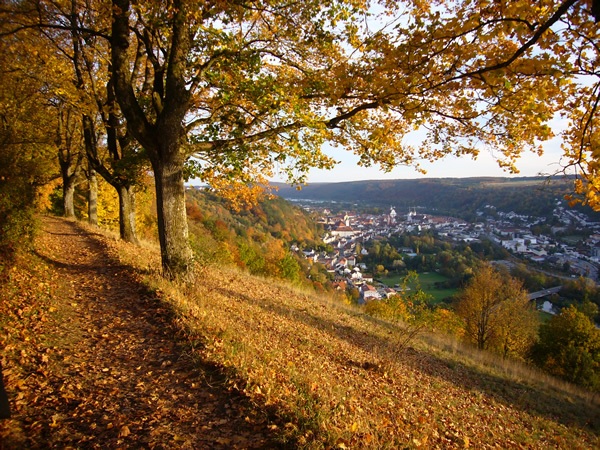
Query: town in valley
[[566, 248]]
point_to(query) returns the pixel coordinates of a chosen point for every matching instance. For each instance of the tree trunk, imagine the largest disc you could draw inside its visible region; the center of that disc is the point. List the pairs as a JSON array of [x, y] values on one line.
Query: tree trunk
[[127, 214], [163, 135], [93, 198], [482, 334], [4, 405], [68, 194], [177, 256]]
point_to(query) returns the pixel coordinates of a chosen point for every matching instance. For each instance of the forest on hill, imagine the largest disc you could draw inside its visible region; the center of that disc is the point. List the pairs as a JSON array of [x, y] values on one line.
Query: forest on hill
[[258, 239], [460, 197], [273, 216]]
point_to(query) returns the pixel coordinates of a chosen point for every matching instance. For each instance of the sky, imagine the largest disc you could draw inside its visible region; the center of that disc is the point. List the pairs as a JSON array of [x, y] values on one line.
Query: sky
[[485, 165]]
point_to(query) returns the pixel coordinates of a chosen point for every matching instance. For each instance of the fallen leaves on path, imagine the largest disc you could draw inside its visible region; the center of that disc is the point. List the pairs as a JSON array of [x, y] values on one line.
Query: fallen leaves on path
[[92, 359]]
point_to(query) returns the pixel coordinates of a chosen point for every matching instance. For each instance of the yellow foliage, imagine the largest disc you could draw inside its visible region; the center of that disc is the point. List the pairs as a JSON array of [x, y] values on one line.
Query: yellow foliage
[[145, 210], [108, 205], [43, 202]]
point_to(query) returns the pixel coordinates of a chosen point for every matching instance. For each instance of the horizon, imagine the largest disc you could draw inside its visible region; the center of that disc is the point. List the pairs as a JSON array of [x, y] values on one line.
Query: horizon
[[348, 170], [529, 164]]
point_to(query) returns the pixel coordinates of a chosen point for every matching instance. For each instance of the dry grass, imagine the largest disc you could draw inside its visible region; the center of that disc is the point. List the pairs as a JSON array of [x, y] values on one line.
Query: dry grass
[[335, 379], [327, 375]]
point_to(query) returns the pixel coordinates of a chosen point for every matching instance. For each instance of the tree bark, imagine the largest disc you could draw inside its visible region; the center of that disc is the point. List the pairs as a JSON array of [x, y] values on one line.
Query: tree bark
[[177, 256], [68, 195], [162, 136], [93, 198], [69, 160], [127, 228]]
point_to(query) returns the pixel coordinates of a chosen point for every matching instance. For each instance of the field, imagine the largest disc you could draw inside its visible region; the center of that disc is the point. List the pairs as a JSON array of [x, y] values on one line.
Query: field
[[427, 280]]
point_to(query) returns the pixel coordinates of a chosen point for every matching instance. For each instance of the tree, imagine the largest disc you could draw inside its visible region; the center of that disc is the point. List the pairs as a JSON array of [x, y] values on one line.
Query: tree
[[35, 60], [27, 151], [290, 268], [409, 306], [70, 156], [496, 312], [119, 163], [73, 35], [569, 347], [243, 88], [246, 88], [519, 329]]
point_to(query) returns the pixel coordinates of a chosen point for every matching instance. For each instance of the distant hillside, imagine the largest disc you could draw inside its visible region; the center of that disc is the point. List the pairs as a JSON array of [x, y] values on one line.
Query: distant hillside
[[275, 217], [456, 196]]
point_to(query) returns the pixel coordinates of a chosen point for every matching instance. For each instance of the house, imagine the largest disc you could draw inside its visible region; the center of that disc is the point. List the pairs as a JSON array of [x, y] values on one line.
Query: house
[[341, 229], [356, 275], [548, 307], [368, 292], [388, 292], [516, 245], [367, 278]]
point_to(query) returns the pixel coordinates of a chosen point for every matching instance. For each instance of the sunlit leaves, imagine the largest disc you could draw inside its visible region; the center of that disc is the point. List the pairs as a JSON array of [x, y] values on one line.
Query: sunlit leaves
[[472, 74], [497, 313], [454, 72]]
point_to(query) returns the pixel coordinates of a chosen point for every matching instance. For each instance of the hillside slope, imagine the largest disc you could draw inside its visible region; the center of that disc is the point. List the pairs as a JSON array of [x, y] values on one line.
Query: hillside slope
[[524, 195], [108, 354]]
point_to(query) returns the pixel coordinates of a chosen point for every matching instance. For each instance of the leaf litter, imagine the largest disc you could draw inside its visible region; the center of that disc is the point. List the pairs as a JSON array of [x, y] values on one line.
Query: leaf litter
[[101, 353], [92, 360]]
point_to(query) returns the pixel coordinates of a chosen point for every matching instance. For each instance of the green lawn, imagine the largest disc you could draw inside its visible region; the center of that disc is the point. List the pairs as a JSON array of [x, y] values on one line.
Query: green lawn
[[427, 281], [573, 239]]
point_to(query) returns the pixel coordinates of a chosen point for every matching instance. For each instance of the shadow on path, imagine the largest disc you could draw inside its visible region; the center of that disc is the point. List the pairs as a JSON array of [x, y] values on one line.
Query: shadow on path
[[119, 372]]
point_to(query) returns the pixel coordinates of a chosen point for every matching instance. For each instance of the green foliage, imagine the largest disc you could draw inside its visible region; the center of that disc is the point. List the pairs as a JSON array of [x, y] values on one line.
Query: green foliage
[[579, 292], [534, 280], [569, 347], [252, 258], [257, 239], [290, 268], [455, 263]]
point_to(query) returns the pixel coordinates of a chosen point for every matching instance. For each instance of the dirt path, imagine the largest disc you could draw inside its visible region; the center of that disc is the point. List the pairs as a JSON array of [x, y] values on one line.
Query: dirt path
[[109, 371]]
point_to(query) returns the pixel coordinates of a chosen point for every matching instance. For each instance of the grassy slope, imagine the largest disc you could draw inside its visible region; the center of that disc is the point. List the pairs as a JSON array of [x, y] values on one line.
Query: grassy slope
[[337, 379], [333, 378]]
